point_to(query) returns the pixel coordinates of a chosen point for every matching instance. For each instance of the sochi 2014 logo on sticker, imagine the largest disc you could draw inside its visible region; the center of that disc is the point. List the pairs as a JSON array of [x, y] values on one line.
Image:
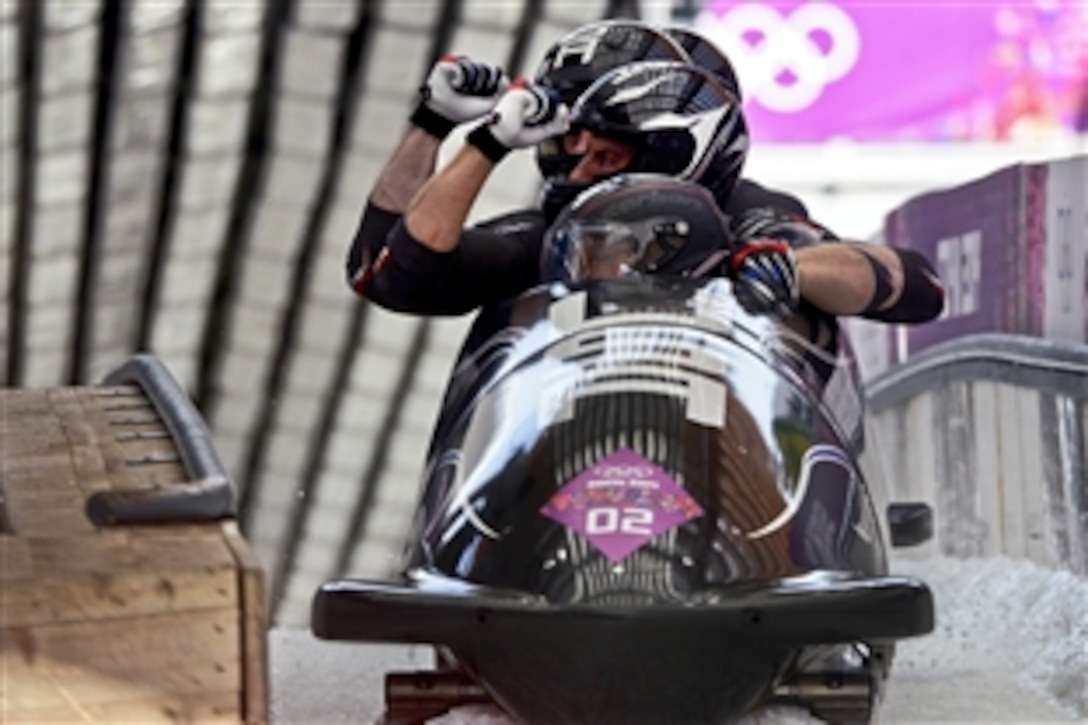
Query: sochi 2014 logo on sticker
[[621, 503]]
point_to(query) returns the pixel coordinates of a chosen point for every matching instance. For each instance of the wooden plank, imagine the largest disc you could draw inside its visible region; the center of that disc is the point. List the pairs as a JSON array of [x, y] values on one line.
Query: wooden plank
[[16, 563], [178, 654], [99, 597], [119, 551], [255, 622], [39, 440], [18, 405], [44, 510], [148, 623], [24, 471], [215, 707]]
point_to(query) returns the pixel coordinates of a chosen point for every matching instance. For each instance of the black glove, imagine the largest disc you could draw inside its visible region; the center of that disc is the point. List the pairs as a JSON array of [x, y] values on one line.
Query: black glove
[[772, 223], [764, 275], [458, 89]]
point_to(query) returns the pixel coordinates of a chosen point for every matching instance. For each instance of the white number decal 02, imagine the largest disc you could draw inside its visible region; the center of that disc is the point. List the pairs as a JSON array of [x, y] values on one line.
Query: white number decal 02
[[611, 520]]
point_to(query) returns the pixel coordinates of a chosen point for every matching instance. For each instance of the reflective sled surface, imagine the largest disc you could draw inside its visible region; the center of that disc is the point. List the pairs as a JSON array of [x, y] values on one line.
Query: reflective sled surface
[[643, 504]]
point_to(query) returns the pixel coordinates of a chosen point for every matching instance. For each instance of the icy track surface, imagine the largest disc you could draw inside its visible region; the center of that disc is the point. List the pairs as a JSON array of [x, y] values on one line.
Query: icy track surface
[[1011, 645]]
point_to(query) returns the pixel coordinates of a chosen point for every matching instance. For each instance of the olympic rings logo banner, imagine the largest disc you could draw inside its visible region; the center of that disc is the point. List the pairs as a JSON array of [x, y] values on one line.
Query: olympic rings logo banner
[[901, 70]]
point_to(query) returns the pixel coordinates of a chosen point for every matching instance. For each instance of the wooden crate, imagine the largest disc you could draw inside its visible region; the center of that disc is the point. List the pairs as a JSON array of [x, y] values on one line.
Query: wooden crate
[[147, 622]]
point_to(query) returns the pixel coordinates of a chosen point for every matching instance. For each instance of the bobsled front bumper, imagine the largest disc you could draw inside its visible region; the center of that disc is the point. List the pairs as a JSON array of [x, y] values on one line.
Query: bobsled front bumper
[[709, 661], [817, 608]]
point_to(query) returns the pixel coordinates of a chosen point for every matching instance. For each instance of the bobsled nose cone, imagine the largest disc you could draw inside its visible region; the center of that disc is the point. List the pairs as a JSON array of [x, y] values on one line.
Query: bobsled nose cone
[[611, 672]]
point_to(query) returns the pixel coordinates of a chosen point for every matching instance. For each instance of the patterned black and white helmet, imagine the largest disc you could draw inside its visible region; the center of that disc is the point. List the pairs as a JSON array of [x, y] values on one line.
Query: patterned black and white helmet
[[706, 55], [682, 121], [575, 61]]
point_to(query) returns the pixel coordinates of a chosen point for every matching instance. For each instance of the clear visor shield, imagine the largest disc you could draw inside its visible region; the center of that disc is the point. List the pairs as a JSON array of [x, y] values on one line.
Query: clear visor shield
[[606, 250]]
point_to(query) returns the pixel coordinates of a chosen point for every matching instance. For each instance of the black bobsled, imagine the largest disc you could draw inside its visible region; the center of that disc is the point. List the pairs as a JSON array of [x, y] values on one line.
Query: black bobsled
[[644, 504]]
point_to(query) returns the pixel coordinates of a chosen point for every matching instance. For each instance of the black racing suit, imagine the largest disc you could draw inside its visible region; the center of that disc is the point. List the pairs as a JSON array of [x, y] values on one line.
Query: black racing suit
[[495, 260]]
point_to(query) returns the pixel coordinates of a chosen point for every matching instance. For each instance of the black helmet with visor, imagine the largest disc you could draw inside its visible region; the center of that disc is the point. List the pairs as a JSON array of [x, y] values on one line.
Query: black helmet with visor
[[637, 224], [679, 119], [574, 62]]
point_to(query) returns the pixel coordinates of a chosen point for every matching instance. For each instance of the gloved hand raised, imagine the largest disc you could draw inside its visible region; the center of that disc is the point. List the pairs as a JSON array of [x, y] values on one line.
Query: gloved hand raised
[[524, 116], [765, 279], [458, 89]]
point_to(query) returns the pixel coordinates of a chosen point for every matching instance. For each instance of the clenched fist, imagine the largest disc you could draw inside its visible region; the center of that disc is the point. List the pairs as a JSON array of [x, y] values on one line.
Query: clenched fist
[[458, 89], [524, 116]]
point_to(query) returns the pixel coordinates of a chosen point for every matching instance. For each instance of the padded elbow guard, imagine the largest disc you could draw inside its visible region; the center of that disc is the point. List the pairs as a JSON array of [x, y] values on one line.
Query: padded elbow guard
[[922, 296]]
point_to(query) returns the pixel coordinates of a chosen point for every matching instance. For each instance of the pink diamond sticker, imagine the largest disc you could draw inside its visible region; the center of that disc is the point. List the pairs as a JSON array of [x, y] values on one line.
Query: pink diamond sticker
[[620, 503]]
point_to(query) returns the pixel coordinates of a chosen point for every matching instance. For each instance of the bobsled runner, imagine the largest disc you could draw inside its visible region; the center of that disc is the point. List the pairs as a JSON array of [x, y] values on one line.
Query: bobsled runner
[[643, 504]]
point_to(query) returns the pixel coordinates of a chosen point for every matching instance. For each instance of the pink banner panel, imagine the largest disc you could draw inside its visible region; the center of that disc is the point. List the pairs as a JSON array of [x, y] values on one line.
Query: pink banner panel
[[1012, 70]]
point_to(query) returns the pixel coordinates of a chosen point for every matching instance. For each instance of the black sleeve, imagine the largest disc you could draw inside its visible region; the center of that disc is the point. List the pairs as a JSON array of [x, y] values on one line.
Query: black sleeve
[[493, 262], [922, 297], [374, 228], [750, 195]]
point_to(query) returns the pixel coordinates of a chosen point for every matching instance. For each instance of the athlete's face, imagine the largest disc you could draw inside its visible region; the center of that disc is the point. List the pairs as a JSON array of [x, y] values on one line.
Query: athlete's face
[[600, 156]]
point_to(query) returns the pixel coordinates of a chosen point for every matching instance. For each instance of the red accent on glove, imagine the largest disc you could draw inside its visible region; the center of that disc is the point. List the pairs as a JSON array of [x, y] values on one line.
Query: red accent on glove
[[757, 248]]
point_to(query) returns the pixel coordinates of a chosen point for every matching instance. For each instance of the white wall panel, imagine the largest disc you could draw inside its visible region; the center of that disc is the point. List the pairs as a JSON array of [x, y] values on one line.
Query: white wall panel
[[303, 125], [49, 362], [312, 64], [228, 64], [336, 15], [208, 181], [56, 229], [10, 97], [360, 170], [328, 279], [544, 34], [277, 230], [62, 177], [69, 59], [292, 180], [481, 43], [217, 126], [300, 404], [61, 15], [255, 327], [141, 123], [501, 17], [148, 16], [324, 327], [351, 447], [308, 375], [397, 64], [373, 378], [415, 15], [266, 281], [231, 16], [64, 120], [198, 231], [389, 333], [575, 13], [150, 56]]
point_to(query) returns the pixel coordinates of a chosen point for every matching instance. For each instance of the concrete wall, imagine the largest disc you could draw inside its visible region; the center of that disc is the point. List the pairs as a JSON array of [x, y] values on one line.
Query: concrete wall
[[992, 431]]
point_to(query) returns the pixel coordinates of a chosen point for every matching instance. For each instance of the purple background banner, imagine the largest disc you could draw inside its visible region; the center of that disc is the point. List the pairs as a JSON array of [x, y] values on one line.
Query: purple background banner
[[907, 71], [987, 240]]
